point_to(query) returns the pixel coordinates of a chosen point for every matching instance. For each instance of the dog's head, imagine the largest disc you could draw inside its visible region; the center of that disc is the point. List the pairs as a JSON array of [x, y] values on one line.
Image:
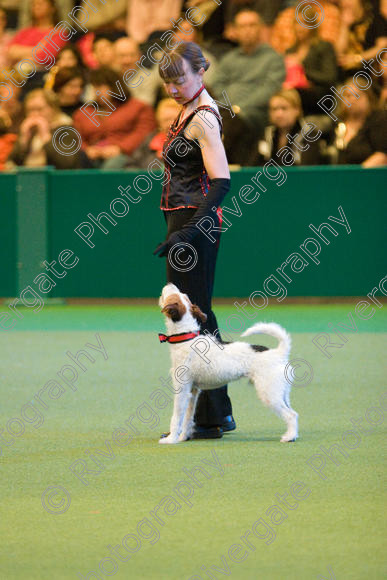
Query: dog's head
[[174, 304]]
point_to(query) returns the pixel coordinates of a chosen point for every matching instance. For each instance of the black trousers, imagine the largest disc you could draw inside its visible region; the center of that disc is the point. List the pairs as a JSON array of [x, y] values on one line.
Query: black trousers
[[198, 284]]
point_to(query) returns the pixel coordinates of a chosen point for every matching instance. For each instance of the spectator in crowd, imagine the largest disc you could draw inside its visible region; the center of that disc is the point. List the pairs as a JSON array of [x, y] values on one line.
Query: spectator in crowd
[[311, 66], [361, 137], [283, 140], [34, 146], [121, 130], [44, 18], [250, 75], [103, 50], [5, 39], [25, 20], [363, 32], [147, 17], [186, 32], [283, 35], [152, 148], [69, 57], [127, 54], [69, 84]]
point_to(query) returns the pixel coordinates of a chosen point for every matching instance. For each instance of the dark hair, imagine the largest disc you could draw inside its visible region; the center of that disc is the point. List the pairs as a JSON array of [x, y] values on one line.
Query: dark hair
[[109, 36], [189, 51], [72, 48], [107, 76], [65, 75]]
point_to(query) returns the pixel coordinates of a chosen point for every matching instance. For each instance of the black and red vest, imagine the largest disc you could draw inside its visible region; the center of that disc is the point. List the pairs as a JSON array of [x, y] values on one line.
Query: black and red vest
[[186, 179]]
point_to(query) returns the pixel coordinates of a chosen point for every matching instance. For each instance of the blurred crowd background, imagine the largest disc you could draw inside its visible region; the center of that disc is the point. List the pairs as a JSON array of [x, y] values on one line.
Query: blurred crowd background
[[273, 69]]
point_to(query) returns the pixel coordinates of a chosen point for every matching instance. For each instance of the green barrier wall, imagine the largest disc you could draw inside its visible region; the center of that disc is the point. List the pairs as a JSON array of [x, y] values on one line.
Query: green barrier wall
[[39, 211]]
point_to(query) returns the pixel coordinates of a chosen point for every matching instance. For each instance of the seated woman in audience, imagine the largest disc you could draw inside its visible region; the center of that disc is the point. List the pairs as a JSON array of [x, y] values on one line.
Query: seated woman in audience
[[69, 84], [362, 34], [361, 137], [152, 148], [124, 125], [285, 111], [44, 18], [311, 66], [34, 146]]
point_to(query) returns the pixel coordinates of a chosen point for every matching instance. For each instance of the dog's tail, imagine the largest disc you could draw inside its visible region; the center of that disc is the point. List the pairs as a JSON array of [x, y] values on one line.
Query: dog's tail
[[272, 329]]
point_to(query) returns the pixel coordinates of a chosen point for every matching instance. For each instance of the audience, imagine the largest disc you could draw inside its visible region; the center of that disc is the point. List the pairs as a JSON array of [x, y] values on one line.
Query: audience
[[268, 70], [361, 137], [34, 146], [311, 66], [285, 110], [121, 130], [283, 34]]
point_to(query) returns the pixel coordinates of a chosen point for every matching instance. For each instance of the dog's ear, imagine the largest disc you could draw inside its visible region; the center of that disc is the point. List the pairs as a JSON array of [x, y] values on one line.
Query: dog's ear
[[198, 314], [174, 311]]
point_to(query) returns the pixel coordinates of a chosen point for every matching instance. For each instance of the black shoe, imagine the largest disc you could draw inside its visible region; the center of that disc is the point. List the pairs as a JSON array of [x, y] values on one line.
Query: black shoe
[[228, 424], [207, 432]]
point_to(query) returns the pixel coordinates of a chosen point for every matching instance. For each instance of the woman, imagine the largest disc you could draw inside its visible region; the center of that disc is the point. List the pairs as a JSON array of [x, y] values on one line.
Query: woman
[[361, 137], [198, 179], [44, 18], [34, 146], [285, 110], [311, 67], [363, 33], [69, 84]]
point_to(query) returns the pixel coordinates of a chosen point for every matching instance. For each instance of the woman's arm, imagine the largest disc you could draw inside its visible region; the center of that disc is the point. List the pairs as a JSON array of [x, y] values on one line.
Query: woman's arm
[[208, 134]]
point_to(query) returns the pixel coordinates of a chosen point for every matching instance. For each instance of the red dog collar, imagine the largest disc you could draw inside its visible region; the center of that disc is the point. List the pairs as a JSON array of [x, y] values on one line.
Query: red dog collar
[[182, 337]]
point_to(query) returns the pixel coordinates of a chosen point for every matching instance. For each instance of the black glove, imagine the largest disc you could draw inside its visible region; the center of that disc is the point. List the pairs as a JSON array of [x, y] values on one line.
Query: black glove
[[218, 190]]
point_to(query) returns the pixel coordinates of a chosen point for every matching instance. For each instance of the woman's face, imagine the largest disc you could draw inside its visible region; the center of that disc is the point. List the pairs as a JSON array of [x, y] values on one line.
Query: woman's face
[[71, 92], [36, 106], [42, 9], [183, 88], [302, 33], [67, 59], [282, 113], [358, 106]]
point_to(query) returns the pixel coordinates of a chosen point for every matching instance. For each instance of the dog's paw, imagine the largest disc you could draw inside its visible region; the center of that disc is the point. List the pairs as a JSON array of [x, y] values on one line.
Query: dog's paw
[[184, 437], [168, 440], [287, 439]]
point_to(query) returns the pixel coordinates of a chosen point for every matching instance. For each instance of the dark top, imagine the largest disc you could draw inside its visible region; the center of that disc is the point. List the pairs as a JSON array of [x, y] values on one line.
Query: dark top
[[375, 29], [320, 64], [371, 138], [268, 148], [187, 178]]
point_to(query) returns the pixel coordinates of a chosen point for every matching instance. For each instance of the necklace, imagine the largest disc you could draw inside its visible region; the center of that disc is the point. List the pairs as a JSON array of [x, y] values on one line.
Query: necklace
[[195, 95]]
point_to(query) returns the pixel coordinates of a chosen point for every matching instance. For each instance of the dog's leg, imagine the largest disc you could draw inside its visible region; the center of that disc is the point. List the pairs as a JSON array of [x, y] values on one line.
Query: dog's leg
[[277, 398], [180, 405], [188, 423]]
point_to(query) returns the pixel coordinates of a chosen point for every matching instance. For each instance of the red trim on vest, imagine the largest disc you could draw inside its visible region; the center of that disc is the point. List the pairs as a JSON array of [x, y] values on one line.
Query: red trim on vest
[[182, 337]]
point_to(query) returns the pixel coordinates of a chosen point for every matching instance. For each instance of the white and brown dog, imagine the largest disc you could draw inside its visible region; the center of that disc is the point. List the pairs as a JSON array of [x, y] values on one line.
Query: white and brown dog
[[226, 362]]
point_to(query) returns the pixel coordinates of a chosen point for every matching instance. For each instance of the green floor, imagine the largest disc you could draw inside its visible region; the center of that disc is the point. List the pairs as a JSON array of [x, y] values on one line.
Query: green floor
[[335, 531]]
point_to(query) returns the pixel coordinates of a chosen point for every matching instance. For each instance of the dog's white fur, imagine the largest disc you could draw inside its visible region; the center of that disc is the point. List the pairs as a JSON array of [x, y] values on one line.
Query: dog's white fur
[[228, 362]]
